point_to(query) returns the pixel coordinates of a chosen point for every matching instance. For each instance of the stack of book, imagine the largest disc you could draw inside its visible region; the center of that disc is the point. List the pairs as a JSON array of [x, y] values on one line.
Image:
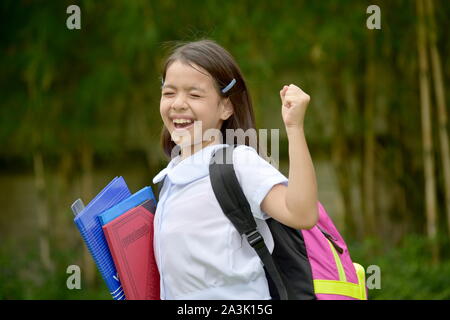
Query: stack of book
[[117, 228]]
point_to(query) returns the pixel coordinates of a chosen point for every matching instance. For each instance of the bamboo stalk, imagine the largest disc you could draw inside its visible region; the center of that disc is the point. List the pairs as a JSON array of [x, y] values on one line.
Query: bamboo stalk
[[441, 106], [341, 160], [427, 138], [369, 140], [42, 212]]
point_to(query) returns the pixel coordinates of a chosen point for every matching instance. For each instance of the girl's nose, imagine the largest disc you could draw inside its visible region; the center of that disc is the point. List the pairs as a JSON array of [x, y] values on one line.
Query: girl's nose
[[179, 103]]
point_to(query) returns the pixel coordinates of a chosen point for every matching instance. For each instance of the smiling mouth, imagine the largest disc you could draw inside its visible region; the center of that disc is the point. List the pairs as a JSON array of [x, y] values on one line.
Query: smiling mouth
[[182, 123]]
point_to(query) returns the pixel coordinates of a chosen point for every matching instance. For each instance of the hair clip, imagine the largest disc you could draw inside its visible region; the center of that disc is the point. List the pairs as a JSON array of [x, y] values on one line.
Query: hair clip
[[229, 86]]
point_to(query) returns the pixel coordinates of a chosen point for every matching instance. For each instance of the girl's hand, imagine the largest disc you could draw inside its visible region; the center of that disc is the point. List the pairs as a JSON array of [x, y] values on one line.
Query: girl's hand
[[294, 103]]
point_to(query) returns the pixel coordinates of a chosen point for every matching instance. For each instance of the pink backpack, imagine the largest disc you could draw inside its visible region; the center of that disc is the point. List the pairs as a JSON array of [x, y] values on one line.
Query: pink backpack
[[334, 274], [305, 264]]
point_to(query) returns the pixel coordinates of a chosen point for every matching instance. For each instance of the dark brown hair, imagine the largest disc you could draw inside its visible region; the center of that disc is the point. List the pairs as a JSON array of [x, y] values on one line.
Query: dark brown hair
[[222, 67]]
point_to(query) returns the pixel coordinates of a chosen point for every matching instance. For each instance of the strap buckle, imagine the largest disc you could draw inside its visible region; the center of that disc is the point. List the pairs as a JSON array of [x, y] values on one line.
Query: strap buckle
[[255, 239]]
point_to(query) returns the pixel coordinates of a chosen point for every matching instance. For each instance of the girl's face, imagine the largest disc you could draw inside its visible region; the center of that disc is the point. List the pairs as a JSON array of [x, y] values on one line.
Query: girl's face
[[189, 95]]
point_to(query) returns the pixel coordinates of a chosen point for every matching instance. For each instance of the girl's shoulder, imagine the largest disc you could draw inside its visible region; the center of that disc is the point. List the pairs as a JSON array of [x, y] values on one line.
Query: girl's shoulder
[[247, 156], [256, 177]]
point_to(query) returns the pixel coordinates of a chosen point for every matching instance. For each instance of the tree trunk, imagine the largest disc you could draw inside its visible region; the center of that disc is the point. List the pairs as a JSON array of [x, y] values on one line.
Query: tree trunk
[[42, 212], [402, 217], [354, 218], [341, 159], [441, 106], [399, 190], [64, 181], [427, 138], [369, 141]]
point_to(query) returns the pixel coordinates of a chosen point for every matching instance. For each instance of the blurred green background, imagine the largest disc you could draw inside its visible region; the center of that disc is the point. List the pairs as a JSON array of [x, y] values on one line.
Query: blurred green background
[[79, 107]]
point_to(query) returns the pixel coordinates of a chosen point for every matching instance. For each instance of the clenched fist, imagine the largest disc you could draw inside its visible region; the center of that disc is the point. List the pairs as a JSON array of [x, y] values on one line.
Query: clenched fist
[[293, 105]]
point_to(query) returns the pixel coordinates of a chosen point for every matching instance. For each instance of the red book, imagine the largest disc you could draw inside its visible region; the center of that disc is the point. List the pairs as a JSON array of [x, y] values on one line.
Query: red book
[[130, 240]]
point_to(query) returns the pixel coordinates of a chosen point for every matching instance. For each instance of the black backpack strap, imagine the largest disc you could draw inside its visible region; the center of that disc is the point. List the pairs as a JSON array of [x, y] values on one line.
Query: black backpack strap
[[236, 208]]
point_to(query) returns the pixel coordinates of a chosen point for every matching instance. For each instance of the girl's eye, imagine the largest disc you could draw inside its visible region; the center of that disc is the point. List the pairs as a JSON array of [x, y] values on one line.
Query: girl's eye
[[195, 96], [167, 93]]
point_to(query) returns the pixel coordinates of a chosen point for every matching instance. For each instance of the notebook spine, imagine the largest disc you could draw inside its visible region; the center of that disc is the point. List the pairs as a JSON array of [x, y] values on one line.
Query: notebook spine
[[91, 231], [103, 260]]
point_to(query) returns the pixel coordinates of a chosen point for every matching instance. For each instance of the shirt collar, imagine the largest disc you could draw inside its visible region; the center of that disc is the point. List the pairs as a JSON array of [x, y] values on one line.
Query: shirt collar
[[190, 169]]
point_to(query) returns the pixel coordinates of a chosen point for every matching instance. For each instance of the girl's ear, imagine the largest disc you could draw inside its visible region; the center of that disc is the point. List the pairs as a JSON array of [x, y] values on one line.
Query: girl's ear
[[227, 109]]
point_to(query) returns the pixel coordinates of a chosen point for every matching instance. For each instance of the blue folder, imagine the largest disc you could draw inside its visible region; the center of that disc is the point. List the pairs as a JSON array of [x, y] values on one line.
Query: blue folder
[[136, 199], [91, 230]]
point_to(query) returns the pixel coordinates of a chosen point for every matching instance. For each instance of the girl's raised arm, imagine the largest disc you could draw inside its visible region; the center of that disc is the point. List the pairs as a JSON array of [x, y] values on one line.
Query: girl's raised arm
[[296, 204]]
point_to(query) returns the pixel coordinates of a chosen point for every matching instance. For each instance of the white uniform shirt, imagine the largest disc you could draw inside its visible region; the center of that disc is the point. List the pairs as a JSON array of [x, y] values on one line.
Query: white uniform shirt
[[199, 253]]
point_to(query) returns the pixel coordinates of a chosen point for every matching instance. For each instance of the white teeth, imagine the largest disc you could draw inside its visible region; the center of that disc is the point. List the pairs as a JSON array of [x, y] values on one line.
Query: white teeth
[[181, 121]]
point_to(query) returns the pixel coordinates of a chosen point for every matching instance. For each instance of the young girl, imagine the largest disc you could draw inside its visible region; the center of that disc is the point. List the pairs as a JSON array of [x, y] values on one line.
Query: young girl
[[200, 255]]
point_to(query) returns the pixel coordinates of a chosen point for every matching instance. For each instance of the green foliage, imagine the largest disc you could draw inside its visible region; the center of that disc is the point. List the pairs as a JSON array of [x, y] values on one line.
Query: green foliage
[[67, 92], [406, 269], [23, 277]]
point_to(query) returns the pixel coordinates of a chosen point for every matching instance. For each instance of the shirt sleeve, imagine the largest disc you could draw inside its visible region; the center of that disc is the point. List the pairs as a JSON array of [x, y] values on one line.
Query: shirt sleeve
[[256, 177]]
